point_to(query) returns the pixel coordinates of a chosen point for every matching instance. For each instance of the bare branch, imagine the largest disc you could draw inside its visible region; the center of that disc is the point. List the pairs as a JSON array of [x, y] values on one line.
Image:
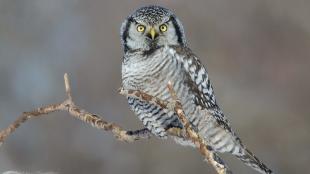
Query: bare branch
[[81, 114], [121, 134]]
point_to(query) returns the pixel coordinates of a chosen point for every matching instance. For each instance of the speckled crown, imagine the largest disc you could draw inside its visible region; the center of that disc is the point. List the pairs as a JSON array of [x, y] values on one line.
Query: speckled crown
[[152, 14]]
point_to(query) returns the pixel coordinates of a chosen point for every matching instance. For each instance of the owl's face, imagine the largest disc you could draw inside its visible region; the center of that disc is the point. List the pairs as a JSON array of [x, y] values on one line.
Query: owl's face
[[151, 27]]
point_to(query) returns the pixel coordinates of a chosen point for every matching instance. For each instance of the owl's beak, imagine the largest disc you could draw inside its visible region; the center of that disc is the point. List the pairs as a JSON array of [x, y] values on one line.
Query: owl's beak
[[152, 33]]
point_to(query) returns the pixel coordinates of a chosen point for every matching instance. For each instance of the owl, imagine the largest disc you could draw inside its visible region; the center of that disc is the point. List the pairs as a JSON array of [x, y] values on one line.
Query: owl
[[156, 52]]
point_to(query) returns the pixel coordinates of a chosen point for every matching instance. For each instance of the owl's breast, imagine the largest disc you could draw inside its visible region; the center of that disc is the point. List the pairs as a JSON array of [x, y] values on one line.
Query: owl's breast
[[151, 74]]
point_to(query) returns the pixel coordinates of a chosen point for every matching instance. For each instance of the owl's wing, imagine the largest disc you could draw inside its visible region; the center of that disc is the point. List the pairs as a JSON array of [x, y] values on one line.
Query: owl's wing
[[200, 83]]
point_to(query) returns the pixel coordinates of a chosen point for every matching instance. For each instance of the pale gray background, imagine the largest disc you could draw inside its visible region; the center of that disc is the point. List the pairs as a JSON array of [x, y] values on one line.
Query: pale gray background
[[257, 53]]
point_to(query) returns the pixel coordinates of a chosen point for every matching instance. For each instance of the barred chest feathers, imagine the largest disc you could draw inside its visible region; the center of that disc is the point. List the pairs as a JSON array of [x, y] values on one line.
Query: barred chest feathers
[[151, 73]]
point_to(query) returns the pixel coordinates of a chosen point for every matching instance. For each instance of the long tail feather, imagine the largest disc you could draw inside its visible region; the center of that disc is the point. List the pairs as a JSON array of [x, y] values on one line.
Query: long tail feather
[[251, 160]]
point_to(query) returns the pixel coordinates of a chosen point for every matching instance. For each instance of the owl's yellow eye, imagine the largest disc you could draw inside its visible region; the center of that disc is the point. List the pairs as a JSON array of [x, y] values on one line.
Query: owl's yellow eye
[[163, 28], [140, 28]]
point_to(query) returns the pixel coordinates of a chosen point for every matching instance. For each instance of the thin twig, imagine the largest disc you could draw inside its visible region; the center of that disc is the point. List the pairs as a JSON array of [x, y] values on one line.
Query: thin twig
[[67, 86]]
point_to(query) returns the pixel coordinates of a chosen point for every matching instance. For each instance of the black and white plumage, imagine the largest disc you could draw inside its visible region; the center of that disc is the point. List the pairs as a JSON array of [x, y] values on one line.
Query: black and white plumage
[[155, 52]]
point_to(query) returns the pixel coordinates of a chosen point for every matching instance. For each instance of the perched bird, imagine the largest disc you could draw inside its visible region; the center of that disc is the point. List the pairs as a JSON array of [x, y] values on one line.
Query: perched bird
[[156, 52]]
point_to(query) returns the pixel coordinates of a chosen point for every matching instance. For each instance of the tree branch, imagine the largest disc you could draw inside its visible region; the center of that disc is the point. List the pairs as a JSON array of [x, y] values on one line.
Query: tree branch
[[81, 114], [69, 106]]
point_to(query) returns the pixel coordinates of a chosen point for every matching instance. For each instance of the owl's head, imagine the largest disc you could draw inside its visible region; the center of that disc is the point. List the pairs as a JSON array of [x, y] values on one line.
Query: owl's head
[[151, 27]]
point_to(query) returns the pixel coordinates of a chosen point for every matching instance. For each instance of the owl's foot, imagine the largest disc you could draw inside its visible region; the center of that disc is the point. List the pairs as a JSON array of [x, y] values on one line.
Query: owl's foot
[[140, 134]]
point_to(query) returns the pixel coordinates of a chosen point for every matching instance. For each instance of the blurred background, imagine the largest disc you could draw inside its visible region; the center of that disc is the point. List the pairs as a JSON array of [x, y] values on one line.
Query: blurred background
[[257, 53]]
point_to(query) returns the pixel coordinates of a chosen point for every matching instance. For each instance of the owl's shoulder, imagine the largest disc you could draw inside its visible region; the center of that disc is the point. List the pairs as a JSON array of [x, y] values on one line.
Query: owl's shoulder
[[182, 50]]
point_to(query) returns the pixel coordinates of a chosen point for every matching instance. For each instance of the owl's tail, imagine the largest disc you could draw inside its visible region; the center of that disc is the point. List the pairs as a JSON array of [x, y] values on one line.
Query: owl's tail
[[251, 160]]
